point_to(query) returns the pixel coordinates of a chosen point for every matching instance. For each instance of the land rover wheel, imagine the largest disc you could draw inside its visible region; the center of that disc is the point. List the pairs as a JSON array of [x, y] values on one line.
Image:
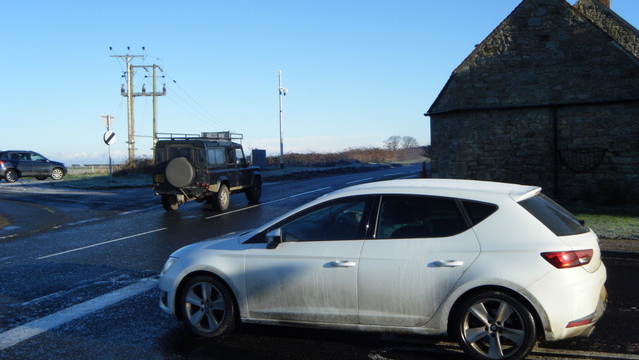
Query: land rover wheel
[[254, 192], [222, 198], [170, 203]]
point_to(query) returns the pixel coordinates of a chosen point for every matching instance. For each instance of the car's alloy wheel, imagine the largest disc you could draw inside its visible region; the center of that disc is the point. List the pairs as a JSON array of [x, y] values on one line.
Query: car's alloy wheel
[[494, 325], [207, 307], [57, 174], [222, 198], [11, 176]]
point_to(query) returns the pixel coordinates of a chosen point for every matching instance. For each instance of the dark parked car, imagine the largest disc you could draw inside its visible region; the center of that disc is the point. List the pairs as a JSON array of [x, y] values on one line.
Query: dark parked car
[[15, 164]]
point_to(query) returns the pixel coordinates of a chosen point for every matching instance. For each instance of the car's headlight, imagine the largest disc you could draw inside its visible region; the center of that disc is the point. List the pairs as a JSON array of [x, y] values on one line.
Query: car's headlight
[[168, 264]]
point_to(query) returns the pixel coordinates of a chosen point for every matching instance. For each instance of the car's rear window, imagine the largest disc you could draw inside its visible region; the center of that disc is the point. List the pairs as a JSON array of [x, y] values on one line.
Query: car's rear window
[[556, 218]]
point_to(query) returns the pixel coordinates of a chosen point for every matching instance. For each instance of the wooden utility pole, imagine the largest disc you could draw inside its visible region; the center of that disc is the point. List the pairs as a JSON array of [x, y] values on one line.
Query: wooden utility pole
[[130, 95]]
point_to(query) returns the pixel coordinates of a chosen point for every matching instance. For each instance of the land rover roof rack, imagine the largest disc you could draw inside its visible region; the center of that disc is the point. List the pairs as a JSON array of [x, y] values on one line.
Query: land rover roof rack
[[217, 136]]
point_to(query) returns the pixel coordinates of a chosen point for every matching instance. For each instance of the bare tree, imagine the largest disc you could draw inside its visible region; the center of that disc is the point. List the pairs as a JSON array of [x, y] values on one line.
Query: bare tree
[[409, 142], [392, 143]]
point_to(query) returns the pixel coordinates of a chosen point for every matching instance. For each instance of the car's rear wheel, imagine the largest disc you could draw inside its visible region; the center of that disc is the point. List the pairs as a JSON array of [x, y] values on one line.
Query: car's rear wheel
[[492, 325], [57, 174], [222, 198], [207, 307], [255, 192], [11, 176], [170, 203]]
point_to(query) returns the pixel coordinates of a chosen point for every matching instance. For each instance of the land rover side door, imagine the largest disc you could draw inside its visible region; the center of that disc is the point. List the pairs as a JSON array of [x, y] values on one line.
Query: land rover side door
[[232, 169], [244, 174], [216, 163]]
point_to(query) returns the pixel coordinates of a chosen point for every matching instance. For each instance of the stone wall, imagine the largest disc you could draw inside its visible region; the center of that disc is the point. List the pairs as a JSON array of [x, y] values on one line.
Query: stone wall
[[587, 152]]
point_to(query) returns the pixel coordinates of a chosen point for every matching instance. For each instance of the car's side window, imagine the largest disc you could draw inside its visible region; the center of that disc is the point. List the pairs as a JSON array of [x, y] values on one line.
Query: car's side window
[[419, 217], [342, 220], [478, 211], [216, 157], [37, 157], [239, 155]]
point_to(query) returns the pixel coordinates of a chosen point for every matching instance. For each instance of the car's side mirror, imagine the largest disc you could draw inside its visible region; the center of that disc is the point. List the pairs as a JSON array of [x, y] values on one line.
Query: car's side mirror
[[273, 238]]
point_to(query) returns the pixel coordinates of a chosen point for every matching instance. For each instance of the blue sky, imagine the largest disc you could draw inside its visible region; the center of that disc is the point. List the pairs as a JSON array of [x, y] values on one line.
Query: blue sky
[[357, 71]]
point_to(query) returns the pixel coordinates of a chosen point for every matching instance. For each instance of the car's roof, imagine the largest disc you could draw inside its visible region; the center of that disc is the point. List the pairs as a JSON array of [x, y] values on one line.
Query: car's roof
[[466, 189]]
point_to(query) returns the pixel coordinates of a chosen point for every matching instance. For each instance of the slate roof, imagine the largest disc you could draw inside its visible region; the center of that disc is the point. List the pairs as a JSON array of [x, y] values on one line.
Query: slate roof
[[547, 52]]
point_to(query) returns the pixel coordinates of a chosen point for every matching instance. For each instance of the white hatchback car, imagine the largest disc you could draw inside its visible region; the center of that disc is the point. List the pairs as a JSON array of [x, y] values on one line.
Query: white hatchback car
[[496, 266]]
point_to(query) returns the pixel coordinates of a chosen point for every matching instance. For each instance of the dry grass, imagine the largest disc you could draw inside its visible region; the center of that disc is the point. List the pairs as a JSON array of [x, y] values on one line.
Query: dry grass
[[139, 166], [350, 156]]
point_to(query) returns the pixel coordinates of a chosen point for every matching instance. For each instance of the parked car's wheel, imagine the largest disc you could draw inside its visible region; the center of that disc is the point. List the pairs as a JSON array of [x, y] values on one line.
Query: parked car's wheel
[[11, 176], [255, 192], [222, 198], [57, 174], [207, 307], [492, 325], [169, 202]]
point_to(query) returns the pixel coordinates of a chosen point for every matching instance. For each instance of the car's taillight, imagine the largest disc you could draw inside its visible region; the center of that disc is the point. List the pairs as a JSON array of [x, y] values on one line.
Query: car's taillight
[[568, 259]]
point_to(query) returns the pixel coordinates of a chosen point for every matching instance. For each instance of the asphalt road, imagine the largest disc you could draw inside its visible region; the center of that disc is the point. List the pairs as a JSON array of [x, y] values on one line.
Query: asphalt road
[[77, 280]]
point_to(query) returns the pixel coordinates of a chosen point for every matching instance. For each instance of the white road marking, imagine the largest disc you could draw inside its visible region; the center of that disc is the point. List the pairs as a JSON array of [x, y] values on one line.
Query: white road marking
[[78, 222], [266, 203], [24, 332], [102, 243], [359, 181]]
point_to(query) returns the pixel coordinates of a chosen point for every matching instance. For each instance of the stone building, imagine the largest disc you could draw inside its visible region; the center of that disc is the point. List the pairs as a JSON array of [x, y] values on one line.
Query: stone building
[[549, 98]]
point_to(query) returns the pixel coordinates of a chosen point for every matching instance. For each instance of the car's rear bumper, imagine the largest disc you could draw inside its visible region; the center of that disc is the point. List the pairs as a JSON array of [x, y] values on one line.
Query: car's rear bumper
[[573, 301]]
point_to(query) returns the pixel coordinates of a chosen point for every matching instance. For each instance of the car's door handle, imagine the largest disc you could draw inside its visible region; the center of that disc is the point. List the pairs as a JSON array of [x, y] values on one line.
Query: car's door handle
[[342, 263], [448, 263]]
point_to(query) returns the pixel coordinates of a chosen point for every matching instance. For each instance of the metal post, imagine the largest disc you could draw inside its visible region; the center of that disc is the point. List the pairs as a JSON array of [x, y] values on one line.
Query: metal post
[[283, 92]]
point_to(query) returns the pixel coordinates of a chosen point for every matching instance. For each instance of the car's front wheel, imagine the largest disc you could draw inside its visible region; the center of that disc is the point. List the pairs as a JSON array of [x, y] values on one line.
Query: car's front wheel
[[11, 176], [207, 307], [492, 325], [57, 174]]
